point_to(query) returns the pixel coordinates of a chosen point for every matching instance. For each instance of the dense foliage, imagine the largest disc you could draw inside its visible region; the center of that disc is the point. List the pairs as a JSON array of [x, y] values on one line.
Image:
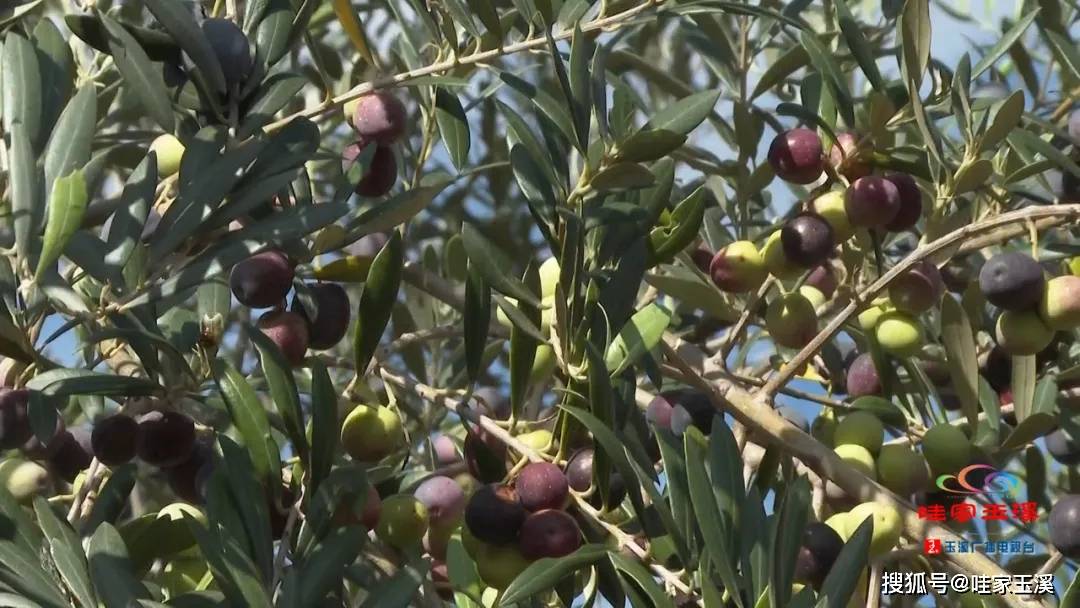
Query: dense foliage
[[535, 302]]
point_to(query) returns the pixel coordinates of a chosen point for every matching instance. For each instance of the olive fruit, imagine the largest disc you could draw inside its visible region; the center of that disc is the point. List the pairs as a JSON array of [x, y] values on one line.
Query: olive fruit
[[862, 377], [1012, 281], [444, 450], [872, 202], [1060, 305], [380, 116], [823, 278], [820, 547], [738, 268], [860, 428], [262, 280], [1065, 525], [910, 202], [332, 314], [658, 413], [902, 469], [485, 456], [887, 525], [24, 479], [542, 485], [494, 514], [169, 151], [14, 421], [288, 331], [946, 448], [231, 47], [381, 173], [114, 439], [165, 438], [403, 521], [791, 320], [443, 498], [858, 457], [1063, 448], [848, 157], [72, 454], [371, 432], [1022, 333], [918, 288], [498, 566], [899, 333], [831, 207], [776, 261], [797, 156], [807, 239], [549, 533]]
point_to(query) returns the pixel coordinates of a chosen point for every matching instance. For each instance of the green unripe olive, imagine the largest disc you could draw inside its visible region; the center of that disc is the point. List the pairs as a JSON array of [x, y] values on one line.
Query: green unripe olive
[[791, 320], [24, 479], [817, 299], [169, 152], [1060, 305], [547, 314], [946, 448], [549, 277], [831, 206], [1022, 333], [860, 428], [899, 334], [738, 268], [841, 523], [498, 566], [370, 433], [402, 522], [887, 525], [868, 319], [776, 262], [858, 457], [543, 364], [538, 440], [902, 469]]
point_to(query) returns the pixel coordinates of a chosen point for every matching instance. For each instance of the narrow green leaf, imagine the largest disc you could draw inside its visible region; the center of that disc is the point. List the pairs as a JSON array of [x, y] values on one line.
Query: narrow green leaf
[[685, 115], [396, 591], [283, 392], [843, 578], [248, 415], [323, 567], [377, 300], [67, 553], [719, 533], [523, 346], [787, 64], [534, 184], [642, 578], [623, 176], [477, 319], [461, 569], [142, 78], [1024, 377], [543, 574], [111, 569], [249, 495], [21, 87], [69, 146], [692, 292], [793, 512], [885, 410], [26, 192], [1029, 429], [1006, 118], [860, 48], [453, 126], [648, 145], [130, 216], [20, 571], [822, 60], [274, 94], [640, 335], [494, 266], [66, 208], [1025, 138], [1008, 39], [64, 382], [178, 20], [324, 423], [112, 499], [383, 215], [1065, 51], [914, 24]]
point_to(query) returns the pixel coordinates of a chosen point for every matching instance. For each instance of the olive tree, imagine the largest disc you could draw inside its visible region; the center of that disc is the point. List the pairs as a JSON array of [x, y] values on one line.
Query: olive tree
[[536, 302]]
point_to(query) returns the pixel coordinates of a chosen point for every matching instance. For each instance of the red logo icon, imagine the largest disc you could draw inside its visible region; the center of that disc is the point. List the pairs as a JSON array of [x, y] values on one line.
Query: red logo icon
[[932, 546]]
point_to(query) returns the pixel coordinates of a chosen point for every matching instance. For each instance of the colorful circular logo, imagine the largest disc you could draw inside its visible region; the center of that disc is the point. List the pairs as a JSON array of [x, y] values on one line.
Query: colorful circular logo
[[995, 482]]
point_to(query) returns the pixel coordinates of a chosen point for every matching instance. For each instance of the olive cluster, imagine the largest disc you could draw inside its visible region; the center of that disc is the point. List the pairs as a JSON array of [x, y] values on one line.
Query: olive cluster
[[263, 281], [379, 120]]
